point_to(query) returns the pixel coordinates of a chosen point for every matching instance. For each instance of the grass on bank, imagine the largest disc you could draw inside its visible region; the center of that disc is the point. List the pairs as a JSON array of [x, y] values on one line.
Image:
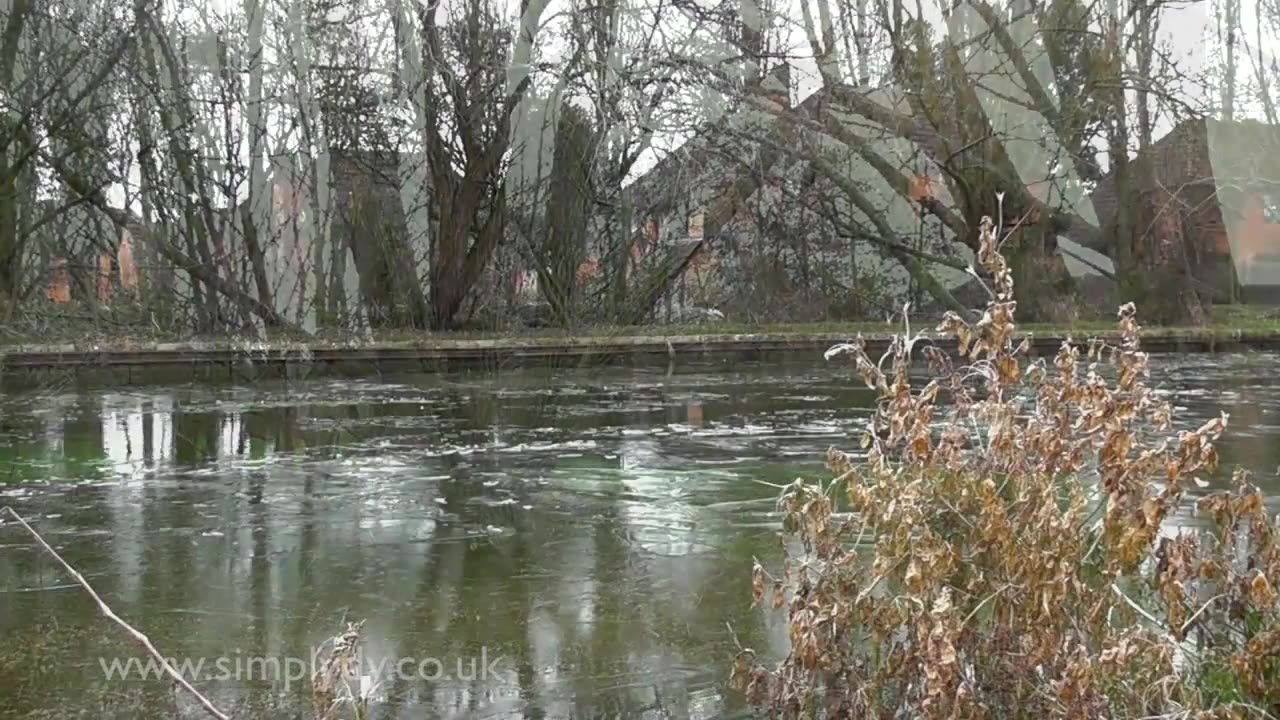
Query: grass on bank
[[1226, 321]]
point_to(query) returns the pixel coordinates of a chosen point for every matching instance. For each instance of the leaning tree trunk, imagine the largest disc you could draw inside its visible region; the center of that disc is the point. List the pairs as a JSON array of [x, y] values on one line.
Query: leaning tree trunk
[[1046, 290], [986, 182]]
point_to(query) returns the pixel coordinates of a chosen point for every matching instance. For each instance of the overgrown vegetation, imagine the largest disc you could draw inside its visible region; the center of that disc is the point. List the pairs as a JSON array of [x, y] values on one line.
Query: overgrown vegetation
[[1019, 560]]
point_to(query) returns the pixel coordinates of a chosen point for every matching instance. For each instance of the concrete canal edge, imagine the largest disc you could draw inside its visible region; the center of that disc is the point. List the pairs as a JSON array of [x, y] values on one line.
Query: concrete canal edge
[[240, 361]]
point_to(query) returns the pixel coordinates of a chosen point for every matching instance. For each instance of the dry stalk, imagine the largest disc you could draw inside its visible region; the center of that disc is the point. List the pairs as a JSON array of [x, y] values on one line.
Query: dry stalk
[[330, 685], [110, 614]]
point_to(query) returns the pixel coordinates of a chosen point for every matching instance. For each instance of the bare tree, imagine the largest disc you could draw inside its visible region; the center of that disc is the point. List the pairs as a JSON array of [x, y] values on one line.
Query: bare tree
[[477, 70], [1001, 102], [56, 69]]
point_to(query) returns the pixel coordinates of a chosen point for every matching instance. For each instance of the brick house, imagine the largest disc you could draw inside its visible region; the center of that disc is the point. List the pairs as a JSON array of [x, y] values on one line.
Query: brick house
[[759, 221], [819, 270], [1216, 191]]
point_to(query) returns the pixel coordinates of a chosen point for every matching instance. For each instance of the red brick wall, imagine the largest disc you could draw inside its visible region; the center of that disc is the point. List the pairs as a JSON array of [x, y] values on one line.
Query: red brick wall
[[1257, 237]]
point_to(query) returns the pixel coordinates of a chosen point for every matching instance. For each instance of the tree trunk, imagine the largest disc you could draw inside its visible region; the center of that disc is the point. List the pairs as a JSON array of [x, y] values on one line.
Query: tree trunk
[[620, 258], [1045, 288], [259, 189], [447, 288], [567, 214], [10, 240]]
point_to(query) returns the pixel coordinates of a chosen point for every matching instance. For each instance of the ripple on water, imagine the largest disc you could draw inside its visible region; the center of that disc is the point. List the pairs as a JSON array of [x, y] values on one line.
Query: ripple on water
[[589, 523]]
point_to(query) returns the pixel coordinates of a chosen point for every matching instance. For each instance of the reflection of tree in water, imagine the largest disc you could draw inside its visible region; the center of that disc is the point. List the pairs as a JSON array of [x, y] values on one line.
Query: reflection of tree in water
[[82, 435], [26, 440], [148, 431], [575, 598], [259, 561], [608, 599], [195, 436]]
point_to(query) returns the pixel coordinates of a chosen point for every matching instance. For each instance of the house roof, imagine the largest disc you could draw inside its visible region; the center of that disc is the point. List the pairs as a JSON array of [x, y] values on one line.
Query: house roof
[[712, 156], [699, 168], [1204, 152], [1244, 151]]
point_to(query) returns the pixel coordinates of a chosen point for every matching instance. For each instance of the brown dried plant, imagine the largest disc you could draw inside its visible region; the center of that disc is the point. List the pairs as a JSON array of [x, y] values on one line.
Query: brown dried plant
[[1006, 552], [332, 683]]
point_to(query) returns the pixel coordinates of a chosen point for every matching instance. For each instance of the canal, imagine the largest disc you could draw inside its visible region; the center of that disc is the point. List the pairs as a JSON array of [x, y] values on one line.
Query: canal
[[541, 543]]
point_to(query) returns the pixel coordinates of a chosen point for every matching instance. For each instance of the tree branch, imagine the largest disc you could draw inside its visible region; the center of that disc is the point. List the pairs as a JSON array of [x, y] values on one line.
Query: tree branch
[[123, 219], [110, 614]]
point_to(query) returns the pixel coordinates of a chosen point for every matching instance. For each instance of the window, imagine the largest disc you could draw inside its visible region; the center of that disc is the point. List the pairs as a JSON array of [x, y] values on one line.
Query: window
[[1271, 207]]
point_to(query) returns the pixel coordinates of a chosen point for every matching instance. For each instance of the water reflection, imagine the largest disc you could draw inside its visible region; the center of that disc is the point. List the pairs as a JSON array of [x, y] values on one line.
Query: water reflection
[[593, 531]]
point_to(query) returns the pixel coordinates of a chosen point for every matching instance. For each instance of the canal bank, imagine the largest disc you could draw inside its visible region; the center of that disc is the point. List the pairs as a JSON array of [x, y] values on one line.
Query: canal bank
[[132, 363]]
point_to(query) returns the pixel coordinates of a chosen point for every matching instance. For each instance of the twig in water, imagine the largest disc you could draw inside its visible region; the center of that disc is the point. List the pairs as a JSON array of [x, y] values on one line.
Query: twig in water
[[143, 640]]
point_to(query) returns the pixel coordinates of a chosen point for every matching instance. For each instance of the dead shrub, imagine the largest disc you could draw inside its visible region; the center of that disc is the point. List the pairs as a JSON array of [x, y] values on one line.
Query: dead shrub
[[1005, 551], [338, 682]]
